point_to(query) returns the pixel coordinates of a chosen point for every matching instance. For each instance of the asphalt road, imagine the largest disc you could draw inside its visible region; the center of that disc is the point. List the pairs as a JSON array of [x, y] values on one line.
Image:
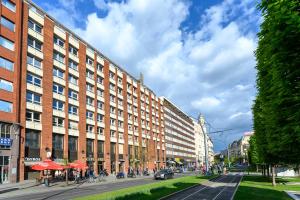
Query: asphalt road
[[72, 193], [221, 188]]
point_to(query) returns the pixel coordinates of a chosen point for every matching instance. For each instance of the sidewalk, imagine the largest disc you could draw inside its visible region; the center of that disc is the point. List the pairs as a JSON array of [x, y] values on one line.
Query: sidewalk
[[30, 187]]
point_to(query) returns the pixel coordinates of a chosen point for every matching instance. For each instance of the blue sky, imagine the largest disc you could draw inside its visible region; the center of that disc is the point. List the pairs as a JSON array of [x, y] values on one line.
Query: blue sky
[[197, 53]]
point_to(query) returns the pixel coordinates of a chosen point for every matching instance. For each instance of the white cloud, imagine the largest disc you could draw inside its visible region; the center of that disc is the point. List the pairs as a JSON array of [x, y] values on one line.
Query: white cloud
[[210, 70], [206, 102]]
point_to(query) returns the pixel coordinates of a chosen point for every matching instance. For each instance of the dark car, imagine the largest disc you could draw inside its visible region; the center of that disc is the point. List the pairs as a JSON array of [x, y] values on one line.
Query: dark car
[[164, 174]]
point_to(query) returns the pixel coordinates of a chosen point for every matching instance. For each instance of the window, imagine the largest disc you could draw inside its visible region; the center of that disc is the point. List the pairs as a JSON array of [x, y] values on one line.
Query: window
[[6, 64], [112, 134], [120, 91], [89, 87], [89, 101], [73, 94], [58, 73], [32, 60], [120, 102], [100, 105], [73, 50], [33, 98], [89, 74], [72, 143], [73, 80], [89, 60], [112, 110], [34, 26], [59, 41], [58, 142], [99, 67], [58, 105], [89, 146], [57, 121], [58, 88], [100, 92], [100, 131], [112, 98], [89, 128], [100, 80], [112, 122], [5, 130], [35, 44], [59, 57], [73, 64], [120, 113], [120, 124], [6, 85], [34, 80], [119, 80], [7, 23], [73, 125], [100, 118], [89, 115], [33, 116], [32, 139], [7, 43], [111, 75], [112, 87], [73, 110], [10, 5], [5, 106]]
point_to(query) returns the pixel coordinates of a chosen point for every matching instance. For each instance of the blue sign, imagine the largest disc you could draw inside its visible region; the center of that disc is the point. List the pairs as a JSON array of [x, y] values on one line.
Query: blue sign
[[5, 141]]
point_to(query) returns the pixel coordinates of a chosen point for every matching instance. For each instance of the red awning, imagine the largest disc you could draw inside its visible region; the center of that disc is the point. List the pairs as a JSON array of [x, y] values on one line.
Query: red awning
[[47, 165], [78, 165]]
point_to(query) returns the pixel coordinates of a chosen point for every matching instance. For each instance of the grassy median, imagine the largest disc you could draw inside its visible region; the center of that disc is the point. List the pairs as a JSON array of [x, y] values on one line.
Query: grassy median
[[149, 191], [259, 187]]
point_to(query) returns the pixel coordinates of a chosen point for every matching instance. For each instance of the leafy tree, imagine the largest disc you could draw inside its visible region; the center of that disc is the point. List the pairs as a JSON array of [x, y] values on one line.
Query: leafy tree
[[277, 106]]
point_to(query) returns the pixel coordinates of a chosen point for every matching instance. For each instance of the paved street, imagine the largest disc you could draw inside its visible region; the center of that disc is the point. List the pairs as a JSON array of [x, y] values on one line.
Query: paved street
[[41, 193], [221, 188]]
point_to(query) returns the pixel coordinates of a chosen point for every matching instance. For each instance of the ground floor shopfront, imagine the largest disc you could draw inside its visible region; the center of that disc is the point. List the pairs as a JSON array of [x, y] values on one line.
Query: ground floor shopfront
[[9, 152]]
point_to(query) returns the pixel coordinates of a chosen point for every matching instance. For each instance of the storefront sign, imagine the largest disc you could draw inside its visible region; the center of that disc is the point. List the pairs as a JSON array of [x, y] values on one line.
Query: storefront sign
[[32, 159], [100, 159], [5, 141], [90, 159]]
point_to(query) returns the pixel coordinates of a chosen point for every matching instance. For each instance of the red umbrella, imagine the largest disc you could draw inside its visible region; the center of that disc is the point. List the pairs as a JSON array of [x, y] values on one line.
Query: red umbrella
[[78, 165], [47, 165]]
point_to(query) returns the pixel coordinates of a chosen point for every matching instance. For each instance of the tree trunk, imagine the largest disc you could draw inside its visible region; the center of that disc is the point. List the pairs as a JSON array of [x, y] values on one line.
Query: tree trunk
[[273, 175], [268, 170], [256, 167], [263, 172]]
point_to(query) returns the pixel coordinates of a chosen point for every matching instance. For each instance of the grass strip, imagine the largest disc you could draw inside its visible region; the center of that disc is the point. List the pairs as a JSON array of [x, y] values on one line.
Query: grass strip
[[149, 191], [259, 187]]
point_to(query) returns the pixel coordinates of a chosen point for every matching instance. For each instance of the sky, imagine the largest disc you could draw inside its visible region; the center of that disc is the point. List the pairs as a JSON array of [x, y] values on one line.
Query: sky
[[197, 53]]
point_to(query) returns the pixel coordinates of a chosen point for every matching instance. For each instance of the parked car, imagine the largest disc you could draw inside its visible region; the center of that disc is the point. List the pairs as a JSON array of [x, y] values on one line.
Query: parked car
[[164, 174]]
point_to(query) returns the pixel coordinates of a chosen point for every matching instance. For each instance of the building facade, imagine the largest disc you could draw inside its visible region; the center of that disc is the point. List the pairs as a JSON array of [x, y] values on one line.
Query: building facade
[[69, 100], [179, 135], [10, 58]]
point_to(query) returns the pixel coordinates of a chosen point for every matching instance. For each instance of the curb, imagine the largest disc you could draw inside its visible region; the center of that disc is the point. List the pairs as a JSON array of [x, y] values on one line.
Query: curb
[[162, 198]]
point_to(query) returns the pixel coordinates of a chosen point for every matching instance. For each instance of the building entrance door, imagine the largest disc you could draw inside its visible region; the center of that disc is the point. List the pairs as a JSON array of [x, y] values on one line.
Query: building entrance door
[[3, 174]]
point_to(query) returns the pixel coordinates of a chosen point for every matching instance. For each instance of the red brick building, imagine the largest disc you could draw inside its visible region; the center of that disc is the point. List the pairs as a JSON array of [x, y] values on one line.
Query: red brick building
[[69, 100]]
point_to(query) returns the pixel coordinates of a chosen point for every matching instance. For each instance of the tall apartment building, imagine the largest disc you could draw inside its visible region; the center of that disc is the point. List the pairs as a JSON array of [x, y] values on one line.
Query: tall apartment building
[[71, 102], [180, 136]]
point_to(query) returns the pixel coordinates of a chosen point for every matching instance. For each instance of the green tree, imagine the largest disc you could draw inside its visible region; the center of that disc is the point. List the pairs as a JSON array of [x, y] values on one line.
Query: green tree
[[277, 106]]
